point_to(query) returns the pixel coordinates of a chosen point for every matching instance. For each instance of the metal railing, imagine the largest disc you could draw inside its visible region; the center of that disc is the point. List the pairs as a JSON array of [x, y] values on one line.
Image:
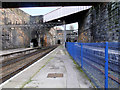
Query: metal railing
[[100, 61]]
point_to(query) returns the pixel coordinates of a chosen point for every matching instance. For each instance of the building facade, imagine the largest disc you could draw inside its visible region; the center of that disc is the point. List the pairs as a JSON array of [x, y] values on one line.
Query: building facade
[[71, 35], [57, 36]]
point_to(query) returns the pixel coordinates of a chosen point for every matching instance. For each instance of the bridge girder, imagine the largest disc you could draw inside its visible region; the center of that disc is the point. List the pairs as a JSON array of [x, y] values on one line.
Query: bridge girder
[[43, 4]]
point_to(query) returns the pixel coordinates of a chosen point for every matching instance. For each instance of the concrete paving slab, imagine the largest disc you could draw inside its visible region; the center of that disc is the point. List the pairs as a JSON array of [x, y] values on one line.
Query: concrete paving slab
[[54, 66]]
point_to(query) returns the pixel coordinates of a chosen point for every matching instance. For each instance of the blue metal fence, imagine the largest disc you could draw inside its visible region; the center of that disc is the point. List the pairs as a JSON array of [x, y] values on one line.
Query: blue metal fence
[[100, 61]]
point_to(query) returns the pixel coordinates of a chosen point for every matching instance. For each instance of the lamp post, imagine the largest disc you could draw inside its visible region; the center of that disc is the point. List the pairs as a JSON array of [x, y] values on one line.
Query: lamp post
[[64, 31]]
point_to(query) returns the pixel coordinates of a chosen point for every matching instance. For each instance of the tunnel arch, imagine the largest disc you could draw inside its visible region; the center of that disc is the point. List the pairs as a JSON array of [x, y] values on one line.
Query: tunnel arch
[[35, 42]]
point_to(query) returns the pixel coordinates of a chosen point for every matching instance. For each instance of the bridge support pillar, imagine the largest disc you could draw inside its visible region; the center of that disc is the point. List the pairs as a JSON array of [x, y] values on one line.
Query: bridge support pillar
[[80, 24]]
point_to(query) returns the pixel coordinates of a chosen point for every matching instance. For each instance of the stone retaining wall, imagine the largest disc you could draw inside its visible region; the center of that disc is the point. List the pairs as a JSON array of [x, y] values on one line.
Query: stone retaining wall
[[102, 23]]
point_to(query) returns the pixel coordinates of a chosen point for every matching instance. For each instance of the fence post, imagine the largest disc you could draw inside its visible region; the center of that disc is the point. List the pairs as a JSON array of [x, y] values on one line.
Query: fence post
[[66, 46], [73, 51], [81, 55], [106, 65], [70, 49]]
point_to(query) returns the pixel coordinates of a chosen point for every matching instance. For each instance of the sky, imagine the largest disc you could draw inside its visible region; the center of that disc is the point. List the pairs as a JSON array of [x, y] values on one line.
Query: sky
[[75, 25], [34, 11]]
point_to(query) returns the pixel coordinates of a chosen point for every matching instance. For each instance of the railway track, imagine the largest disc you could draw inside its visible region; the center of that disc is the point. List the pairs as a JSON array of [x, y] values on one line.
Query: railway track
[[12, 66]]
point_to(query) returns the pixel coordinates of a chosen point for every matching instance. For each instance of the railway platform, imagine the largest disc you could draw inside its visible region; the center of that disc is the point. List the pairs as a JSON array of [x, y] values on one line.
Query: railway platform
[[54, 70], [3, 52]]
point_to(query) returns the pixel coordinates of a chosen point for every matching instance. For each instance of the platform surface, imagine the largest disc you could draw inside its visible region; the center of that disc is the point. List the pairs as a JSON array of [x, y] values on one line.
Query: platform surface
[[2, 52], [55, 70]]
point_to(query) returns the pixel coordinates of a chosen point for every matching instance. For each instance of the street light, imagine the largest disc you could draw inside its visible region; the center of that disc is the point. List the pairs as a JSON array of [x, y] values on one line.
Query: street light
[[58, 20], [64, 30]]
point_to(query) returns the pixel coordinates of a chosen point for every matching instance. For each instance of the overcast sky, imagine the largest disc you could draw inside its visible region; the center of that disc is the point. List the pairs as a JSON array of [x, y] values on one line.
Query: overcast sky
[[34, 11]]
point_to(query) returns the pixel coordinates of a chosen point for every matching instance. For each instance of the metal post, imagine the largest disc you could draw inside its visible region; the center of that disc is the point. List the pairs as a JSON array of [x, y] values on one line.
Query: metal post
[[81, 55], [64, 32], [70, 49], [73, 50], [106, 65]]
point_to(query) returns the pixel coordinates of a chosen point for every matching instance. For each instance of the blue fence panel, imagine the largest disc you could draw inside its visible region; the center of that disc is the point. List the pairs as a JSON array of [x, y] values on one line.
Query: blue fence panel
[[114, 64], [99, 62], [78, 53], [94, 62]]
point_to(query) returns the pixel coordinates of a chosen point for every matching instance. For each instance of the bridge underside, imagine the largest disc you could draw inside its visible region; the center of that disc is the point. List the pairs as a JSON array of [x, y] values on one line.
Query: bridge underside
[[76, 17], [43, 4], [72, 18]]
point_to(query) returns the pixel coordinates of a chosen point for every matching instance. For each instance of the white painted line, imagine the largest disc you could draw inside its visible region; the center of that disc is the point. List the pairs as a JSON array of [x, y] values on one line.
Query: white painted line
[[25, 69]]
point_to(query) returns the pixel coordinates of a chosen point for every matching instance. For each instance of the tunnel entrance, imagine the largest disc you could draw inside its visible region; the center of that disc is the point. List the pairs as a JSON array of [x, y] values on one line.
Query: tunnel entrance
[[59, 42], [35, 42]]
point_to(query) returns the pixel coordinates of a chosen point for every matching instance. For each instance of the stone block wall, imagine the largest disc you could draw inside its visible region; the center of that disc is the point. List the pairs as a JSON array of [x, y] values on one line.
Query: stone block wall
[[14, 37], [18, 37], [101, 23]]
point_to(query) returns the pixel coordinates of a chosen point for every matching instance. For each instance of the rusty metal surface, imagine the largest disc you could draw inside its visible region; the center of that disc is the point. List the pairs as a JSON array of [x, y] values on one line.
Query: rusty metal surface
[[55, 75]]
